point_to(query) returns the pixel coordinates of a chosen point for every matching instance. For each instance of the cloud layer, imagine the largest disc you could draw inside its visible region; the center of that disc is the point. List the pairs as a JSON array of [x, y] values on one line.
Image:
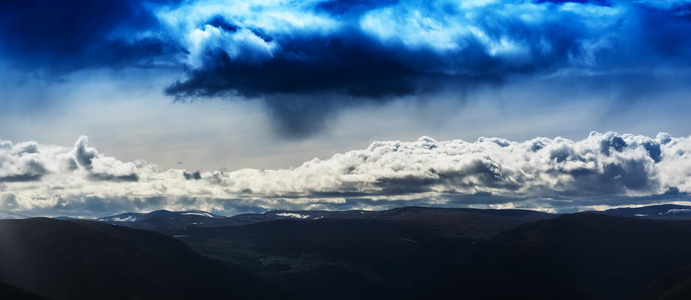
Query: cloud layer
[[551, 174], [307, 59]]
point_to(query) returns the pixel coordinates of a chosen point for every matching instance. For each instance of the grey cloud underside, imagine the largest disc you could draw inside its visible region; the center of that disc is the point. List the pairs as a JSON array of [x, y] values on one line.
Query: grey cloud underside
[[21, 178], [550, 174]]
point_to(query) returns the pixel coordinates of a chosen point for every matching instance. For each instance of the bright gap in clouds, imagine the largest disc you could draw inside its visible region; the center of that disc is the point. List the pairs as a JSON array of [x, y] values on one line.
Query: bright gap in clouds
[[130, 120]]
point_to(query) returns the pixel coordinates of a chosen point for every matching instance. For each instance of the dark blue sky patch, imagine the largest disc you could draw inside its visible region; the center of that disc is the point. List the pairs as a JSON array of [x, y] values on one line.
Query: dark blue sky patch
[[57, 37], [667, 32]]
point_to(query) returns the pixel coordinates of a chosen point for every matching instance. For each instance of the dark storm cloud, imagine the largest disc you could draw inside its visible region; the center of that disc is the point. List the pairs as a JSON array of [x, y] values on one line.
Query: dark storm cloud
[[355, 58], [374, 51], [381, 49], [345, 63], [355, 47]]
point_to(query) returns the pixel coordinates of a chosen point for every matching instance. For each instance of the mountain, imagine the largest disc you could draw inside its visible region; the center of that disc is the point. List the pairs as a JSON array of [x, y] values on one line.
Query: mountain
[[446, 222], [169, 221], [160, 214], [91, 260], [397, 253], [658, 212], [577, 256], [402, 253], [480, 224], [336, 258], [161, 220]]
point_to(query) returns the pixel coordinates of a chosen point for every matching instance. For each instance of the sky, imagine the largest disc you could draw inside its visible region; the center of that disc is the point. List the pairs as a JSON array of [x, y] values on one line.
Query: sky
[[247, 106]]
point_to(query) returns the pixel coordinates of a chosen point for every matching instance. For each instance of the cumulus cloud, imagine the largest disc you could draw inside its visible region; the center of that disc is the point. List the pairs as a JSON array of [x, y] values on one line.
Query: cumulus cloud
[[20, 162], [607, 169]]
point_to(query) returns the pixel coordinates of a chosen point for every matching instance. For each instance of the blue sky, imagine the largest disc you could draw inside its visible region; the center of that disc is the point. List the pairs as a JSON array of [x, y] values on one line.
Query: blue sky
[[226, 85]]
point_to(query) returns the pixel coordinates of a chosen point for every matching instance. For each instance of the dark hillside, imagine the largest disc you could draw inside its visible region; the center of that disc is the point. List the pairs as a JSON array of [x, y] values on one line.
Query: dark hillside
[[89, 260], [577, 256]]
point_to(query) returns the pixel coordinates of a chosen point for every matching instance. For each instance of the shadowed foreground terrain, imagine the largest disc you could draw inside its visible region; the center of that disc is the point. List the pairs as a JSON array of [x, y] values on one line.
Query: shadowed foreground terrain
[[403, 253], [400, 253], [10, 292], [577, 256], [89, 260]]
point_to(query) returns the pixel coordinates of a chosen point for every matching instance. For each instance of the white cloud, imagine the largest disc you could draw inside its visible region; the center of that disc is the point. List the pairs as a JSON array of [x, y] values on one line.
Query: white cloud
[[542, 172]]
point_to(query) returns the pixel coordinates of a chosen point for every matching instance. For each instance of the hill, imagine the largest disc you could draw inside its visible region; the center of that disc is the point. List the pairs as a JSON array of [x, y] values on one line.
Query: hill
[[90, 260], [447, 222], [395, 253], [577, 256], [675, 285], [9, 292]]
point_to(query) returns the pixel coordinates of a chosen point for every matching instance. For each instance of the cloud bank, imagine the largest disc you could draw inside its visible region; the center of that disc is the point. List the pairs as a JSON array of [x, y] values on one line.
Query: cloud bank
[[550, 174], [307, 59]]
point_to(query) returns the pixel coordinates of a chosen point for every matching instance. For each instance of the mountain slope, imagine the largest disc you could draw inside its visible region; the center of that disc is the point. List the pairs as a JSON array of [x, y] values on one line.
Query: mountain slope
[[578, 256], [456, 222], [339, 254], [351, 254], [14, 293], [336, 258], [675, 285], [90, 260], [446, 222]]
